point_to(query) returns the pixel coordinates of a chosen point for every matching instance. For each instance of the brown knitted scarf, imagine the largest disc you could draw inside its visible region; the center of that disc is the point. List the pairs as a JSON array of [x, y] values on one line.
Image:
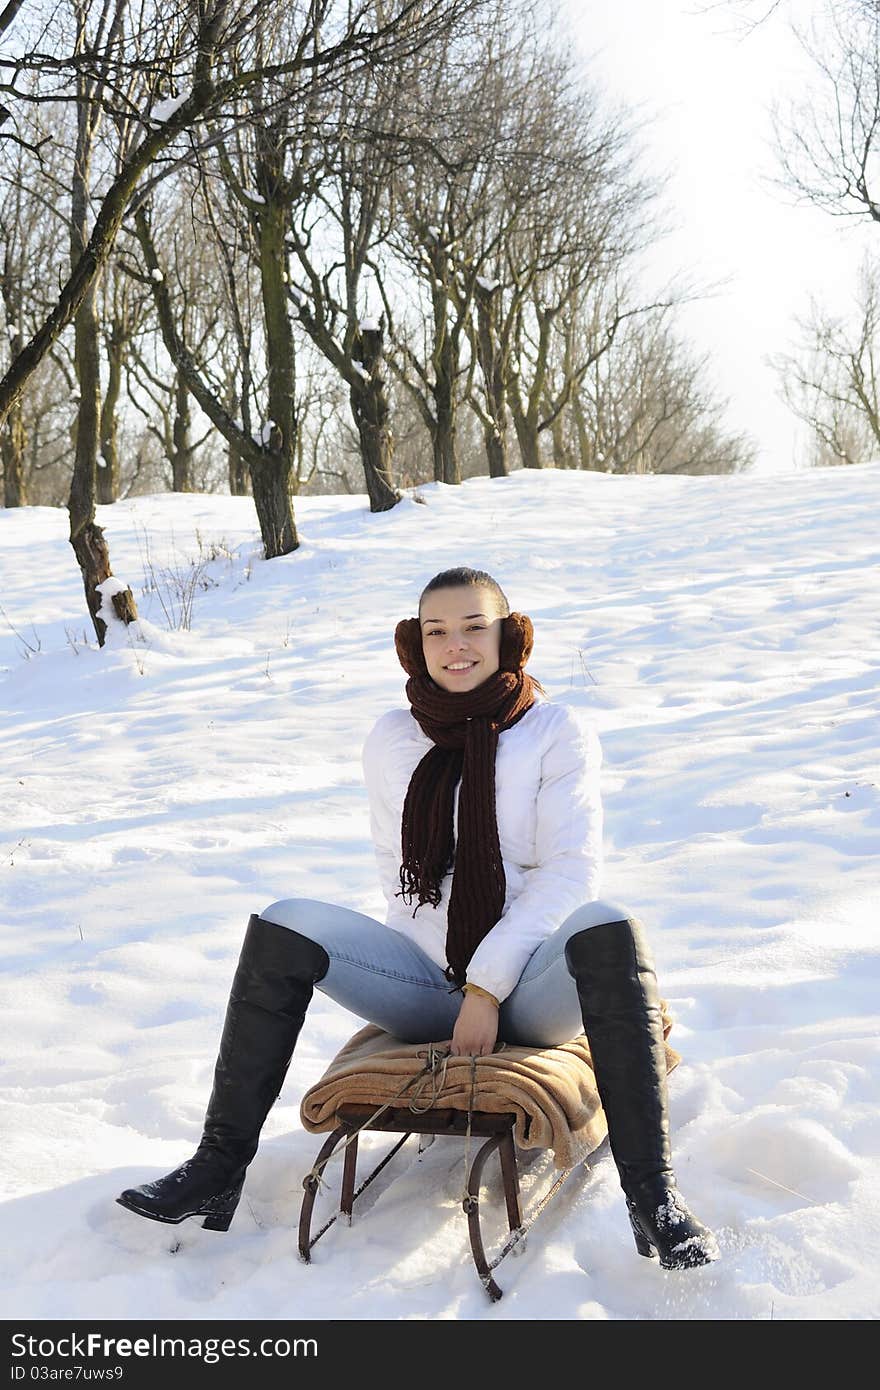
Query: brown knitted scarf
[[464, 727]]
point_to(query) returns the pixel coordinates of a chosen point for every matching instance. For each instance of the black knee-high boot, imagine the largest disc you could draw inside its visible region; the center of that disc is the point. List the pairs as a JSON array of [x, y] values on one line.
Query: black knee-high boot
[[270, 993], [620, 1003]]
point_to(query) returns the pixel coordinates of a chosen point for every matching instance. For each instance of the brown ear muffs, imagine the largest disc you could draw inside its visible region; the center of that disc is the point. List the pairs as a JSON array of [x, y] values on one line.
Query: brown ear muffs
[[517, 640], [408, 641]]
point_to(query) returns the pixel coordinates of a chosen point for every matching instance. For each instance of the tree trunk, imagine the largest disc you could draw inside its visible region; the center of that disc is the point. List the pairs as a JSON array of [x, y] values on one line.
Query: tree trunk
[[13, 435], [561, 453], [88, 415], [446, 465], [272, 478], [181, 452], [444, 361], [236, 463], [525, 400], [528, 440], [585, 442], [272, 501], [490, 356], [108, 459], [445, 458], [237, 471], [93, 558], [369, 406], [86, 537], [13, 442], [496, 452]]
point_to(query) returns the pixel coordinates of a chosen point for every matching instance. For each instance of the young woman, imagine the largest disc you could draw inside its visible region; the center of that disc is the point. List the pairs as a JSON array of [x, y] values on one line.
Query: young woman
[[485, 812]]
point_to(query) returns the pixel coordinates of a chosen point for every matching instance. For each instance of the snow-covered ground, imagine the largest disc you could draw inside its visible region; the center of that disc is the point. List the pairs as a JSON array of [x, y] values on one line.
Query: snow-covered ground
[[725, 634]]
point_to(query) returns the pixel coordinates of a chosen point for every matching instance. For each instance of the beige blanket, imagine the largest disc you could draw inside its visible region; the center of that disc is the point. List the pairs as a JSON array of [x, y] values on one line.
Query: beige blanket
[[551, 1090]]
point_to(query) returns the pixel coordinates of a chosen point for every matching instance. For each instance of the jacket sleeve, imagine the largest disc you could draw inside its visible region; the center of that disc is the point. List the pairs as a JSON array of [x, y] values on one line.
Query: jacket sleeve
[[568, 844], [384, 825]]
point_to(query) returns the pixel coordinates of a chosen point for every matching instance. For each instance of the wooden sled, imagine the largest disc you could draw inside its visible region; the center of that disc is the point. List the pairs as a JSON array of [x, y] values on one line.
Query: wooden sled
[[495, 1129]]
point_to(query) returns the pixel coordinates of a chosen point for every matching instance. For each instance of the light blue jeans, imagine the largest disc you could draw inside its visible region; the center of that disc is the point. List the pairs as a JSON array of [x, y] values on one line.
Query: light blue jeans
[[387, 979]]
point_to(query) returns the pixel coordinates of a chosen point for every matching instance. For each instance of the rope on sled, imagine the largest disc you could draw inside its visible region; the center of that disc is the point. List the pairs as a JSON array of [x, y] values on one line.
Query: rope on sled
[[434, 1071], [436, 1060]]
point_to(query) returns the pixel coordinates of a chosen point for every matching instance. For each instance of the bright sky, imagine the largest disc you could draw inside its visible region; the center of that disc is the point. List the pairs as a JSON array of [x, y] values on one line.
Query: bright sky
[[705, 87]]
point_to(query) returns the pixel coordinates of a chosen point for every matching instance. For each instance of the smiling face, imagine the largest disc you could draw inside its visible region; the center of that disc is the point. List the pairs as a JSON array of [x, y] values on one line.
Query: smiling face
[[461, 636]]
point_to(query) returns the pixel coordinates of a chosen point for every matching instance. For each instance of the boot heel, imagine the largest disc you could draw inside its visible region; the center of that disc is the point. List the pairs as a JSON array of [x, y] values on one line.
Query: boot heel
[[220, 1221], [218, 1213], [643, 1245]]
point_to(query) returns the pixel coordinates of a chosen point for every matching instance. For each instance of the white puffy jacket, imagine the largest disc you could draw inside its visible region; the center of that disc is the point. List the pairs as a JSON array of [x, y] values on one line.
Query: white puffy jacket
[[549, 813]]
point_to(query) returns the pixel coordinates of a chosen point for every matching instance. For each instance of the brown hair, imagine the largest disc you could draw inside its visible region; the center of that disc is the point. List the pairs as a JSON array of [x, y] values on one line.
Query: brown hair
[[460, 578]]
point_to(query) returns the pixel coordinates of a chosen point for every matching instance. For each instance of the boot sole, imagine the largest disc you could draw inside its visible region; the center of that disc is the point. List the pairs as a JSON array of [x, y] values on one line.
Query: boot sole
[[214, 1221], [154, 1215]]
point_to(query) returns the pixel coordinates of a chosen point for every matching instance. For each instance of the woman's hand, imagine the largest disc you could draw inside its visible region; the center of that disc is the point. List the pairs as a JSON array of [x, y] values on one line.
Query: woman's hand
[[476, 1028]]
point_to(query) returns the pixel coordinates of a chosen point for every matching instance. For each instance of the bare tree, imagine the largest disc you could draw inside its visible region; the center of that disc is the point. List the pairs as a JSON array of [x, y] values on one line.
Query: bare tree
[[829, 150], [832, 381], [158, 387], [828, 140], [552, 135], [340, 222], [574, 208], [644, 407], [228, 232], [451, 217], [86, 537], [264, 189]]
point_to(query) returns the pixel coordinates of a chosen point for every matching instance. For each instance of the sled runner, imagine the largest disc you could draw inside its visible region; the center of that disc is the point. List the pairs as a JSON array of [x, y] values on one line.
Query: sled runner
[[497, 1131], [531, 1098]]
